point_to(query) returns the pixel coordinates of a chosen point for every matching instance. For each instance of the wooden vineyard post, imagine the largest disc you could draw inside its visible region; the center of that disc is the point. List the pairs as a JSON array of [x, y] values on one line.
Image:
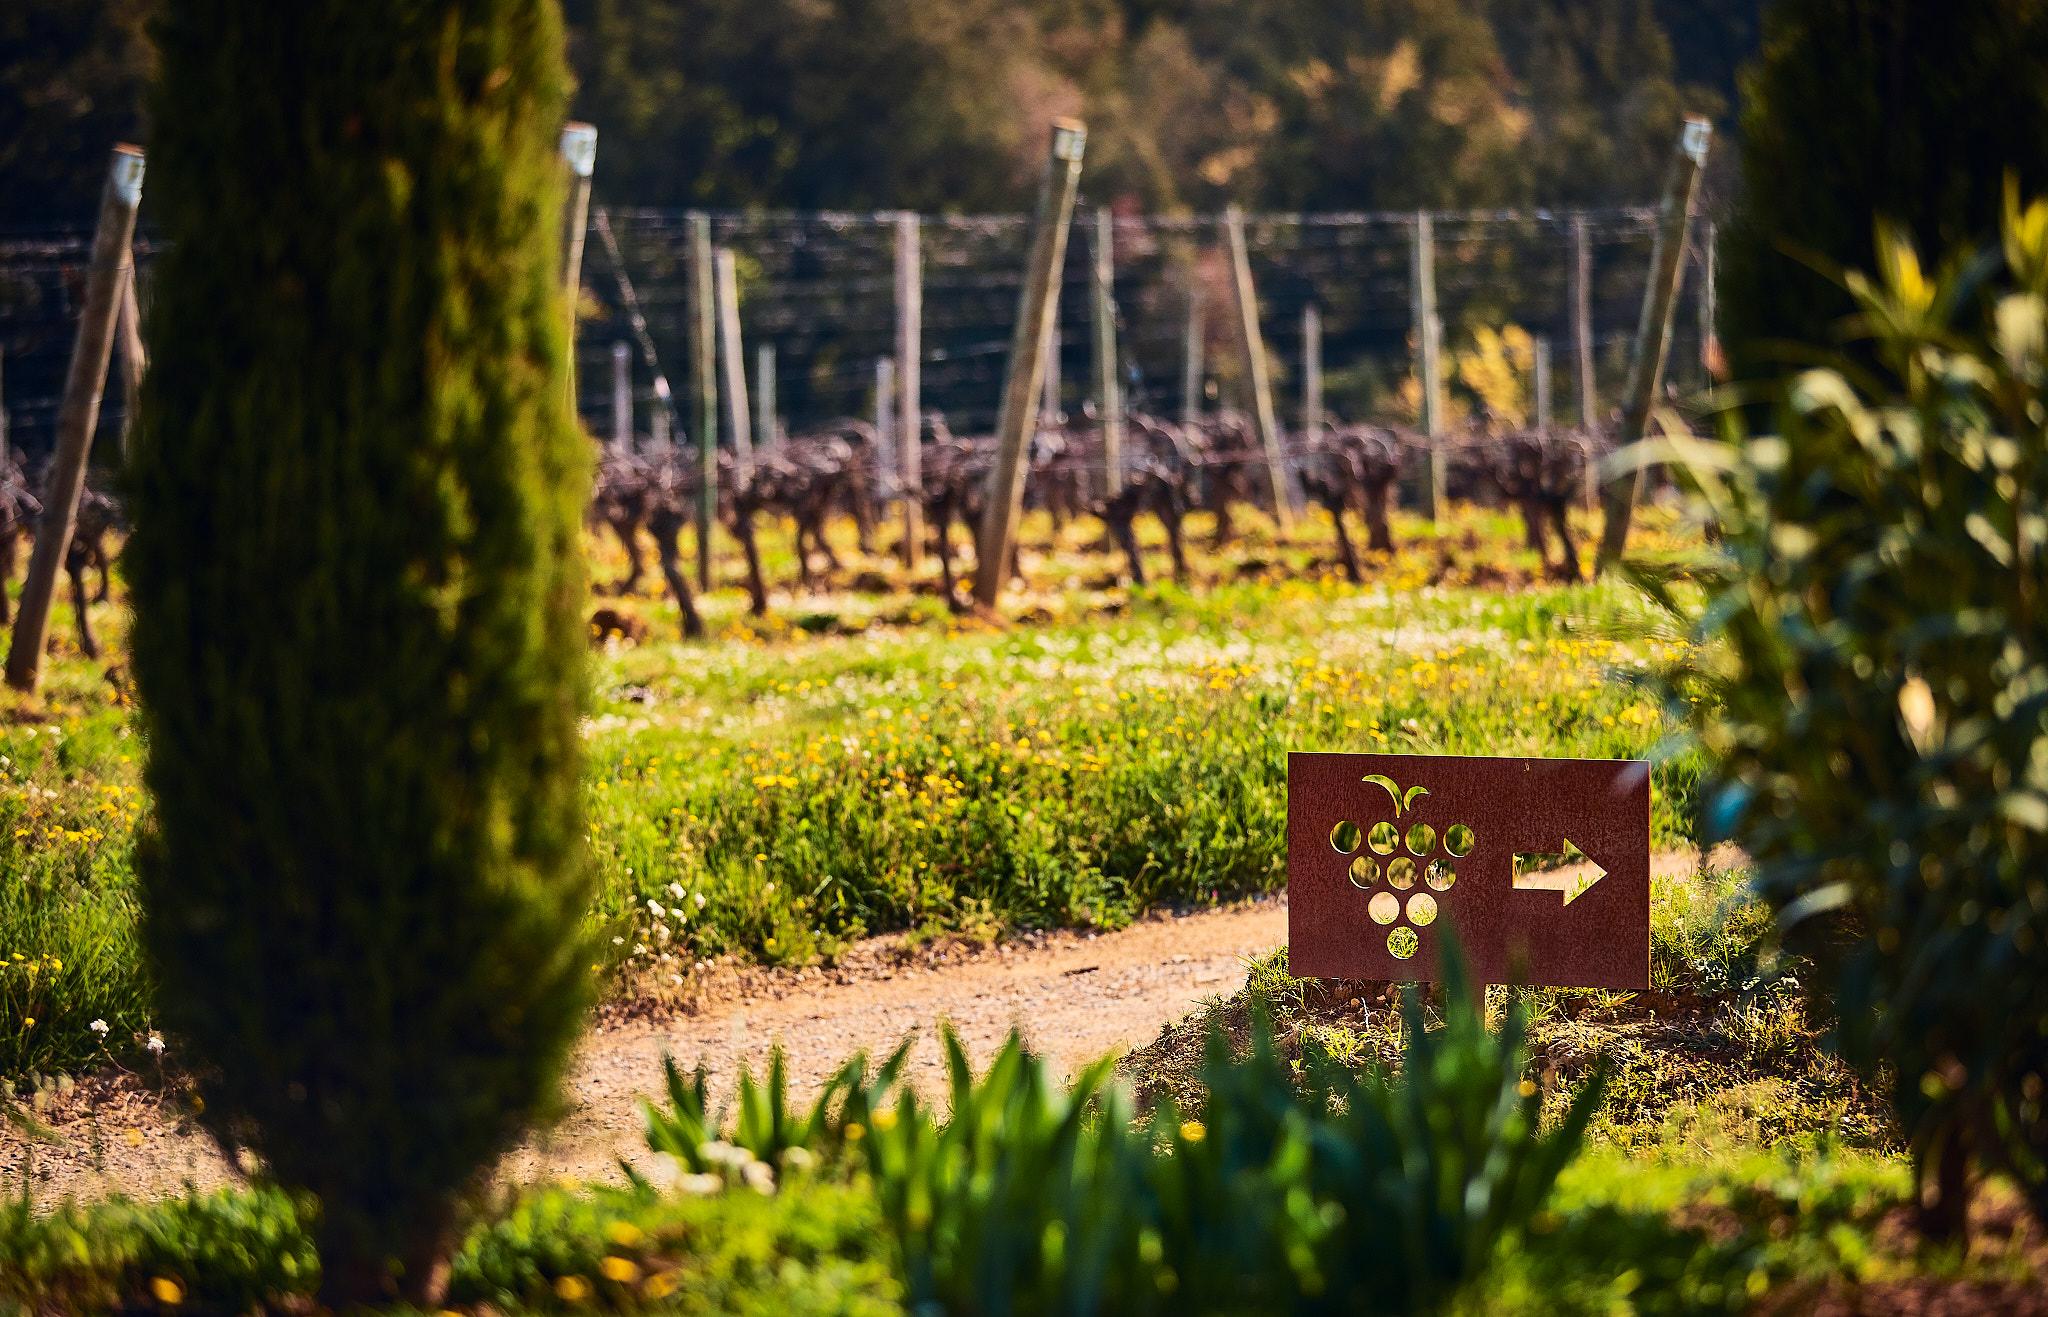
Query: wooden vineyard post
[[1049, 406], [131, 353], [1542, 389], [733, 364], [1191, 354], [622, 397], [703, 380], [1253, 344], [1037, 304], [78, 414], [1582, 323], [1653, 332], [579, 156], [1710, 333], [767, 433], [909, 434], [885, 414], [1108, 394], [1311, 370], [1429, 333]]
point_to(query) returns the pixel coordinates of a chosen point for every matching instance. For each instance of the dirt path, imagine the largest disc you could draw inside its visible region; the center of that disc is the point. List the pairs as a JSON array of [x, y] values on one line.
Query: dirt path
[[1075, 996]]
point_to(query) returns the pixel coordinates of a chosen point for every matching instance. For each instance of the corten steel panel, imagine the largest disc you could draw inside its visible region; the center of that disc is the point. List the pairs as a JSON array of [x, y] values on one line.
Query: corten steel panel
[[1509, 935]]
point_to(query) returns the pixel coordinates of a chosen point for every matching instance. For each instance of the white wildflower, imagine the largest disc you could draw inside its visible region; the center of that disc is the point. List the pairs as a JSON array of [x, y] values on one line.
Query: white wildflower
[[155, 1043], [99, 1027]]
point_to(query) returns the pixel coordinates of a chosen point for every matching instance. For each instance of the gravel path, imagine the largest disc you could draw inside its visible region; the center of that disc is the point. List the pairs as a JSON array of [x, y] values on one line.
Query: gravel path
[[1075, 996]]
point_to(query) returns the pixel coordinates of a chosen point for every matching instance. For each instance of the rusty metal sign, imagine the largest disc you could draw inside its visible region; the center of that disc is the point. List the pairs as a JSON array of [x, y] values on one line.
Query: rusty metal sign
[[1384, 852]]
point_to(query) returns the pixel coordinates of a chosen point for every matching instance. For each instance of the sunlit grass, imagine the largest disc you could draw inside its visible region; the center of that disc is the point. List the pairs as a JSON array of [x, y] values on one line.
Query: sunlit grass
[[868, 762]]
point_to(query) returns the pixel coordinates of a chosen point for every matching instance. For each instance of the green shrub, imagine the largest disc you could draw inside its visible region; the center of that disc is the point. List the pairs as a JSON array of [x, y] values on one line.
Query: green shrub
[[1876, 697], [1363, 1193], [1899, 108], [808, 1248], [229, 1252], [357, 588], [765, 1128]]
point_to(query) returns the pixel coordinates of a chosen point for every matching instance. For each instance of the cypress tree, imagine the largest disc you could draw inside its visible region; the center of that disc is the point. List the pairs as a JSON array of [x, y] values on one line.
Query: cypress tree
[[1860, 109], [357, 586]]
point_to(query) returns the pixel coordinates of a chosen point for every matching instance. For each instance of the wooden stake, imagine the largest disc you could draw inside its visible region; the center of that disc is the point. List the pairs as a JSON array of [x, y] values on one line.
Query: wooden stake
[[132, 355], [1049, 406], [733, 362], [767, 431], [79, 413], [1710, 333], [1108, 393], [1191, 357], [1037, 305], [1253, 344], [1582, 323], [910, 385], [622, 397], [1311, 369], [885, 413], [579, 155], [1653, 331], [1542, 418], [703, 378], [1429, 332]]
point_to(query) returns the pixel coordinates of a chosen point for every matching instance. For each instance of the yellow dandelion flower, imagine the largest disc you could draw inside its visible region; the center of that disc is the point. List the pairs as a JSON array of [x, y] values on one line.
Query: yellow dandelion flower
[[1193, 1131], [167, 1291], [622, 1270], [572, 1289]]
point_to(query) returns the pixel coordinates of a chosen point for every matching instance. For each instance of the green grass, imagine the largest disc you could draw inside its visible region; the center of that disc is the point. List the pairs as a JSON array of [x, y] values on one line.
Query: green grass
[[865, 763]]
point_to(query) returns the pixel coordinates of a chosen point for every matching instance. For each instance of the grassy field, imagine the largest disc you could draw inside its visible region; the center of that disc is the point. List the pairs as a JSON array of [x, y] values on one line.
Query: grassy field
[[857, 763]]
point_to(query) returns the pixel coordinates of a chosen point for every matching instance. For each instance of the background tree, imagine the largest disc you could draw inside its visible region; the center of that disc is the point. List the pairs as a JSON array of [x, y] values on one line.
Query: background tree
[[357, 596], [71, 85], [1859, 108], [941, 104]]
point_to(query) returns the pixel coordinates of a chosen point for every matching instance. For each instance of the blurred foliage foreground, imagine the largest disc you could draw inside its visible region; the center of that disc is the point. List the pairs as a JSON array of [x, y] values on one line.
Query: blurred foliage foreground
[[1311, 1185]]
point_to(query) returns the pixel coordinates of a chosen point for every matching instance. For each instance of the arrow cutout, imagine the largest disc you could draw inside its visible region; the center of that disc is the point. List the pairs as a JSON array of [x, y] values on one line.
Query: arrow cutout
[[1572, 881]]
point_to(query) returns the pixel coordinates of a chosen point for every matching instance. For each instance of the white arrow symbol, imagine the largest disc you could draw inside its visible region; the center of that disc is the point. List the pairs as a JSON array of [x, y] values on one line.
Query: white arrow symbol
[[1572, 880]]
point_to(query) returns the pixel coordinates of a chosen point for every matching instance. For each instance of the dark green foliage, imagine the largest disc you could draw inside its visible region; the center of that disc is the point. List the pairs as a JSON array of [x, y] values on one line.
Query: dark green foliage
[[941, 104], [357, 587], [1896, 108], [1876, 694]]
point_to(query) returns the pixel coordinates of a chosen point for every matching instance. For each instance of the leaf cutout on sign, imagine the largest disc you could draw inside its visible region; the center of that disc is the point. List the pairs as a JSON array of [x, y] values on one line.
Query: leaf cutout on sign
[[1391, 787], [1408, 801]]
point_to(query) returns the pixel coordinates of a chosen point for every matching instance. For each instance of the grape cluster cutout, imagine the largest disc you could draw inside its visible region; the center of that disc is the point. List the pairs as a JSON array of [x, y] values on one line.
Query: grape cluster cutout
[[1390, 863]]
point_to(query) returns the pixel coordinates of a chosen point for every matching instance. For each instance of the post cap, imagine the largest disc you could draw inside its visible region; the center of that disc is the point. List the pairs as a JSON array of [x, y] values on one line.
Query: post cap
[[124, 177], [1069, 139], [579, 148], [1693, 140]]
